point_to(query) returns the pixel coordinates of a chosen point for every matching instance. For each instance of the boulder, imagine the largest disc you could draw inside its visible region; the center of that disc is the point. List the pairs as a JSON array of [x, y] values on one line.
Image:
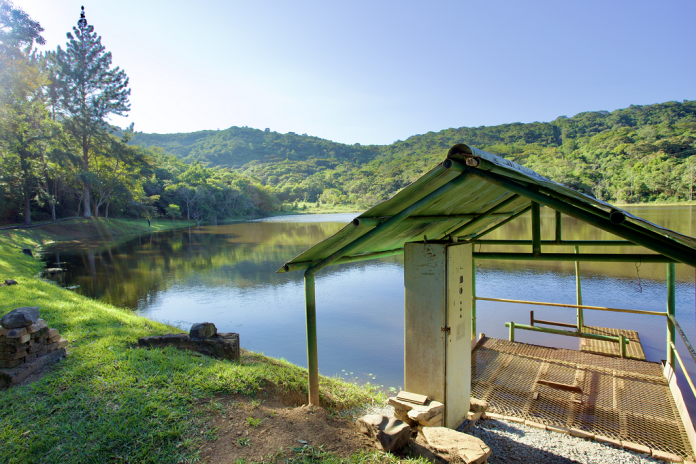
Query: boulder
[[443, 445], [203, 330], [20, 317], [10, 282], [388, 434], [417, 412]]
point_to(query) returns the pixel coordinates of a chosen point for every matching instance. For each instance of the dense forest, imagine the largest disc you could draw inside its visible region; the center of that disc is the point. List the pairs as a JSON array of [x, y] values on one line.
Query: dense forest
[[60, 157], [637, 154]]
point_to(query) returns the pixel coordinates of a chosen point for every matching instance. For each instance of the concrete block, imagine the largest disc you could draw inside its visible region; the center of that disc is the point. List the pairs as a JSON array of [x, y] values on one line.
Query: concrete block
[[554, 428], [536, 425], [635, 447], [582, 434], [514, 419], [608, 441], [62, 343], [667, 457], [473, 416], [492, 415]]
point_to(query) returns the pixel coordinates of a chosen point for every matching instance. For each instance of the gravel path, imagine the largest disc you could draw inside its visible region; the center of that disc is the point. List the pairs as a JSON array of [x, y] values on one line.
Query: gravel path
[[513, 442], [518, 443]]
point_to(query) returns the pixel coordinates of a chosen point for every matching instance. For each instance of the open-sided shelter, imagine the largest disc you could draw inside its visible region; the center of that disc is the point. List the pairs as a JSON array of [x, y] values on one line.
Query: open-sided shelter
[[435, 222]]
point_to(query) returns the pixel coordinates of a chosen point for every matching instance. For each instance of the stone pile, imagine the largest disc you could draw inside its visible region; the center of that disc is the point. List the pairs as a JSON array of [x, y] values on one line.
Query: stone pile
[[202, 337], [425, 415], [26, 345]]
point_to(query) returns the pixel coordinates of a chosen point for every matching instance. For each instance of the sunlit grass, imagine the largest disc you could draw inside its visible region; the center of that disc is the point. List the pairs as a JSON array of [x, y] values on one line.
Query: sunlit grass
[[110, 401]]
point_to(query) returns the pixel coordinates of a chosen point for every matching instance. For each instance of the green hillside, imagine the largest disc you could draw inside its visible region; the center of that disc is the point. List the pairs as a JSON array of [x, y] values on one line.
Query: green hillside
[[636, 154]]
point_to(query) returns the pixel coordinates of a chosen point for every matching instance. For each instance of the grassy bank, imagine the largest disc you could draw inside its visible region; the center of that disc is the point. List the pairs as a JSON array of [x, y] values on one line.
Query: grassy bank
[[110, 401]]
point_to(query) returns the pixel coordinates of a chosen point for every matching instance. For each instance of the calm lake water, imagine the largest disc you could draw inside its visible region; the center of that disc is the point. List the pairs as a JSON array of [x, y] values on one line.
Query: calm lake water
[[226, 275]]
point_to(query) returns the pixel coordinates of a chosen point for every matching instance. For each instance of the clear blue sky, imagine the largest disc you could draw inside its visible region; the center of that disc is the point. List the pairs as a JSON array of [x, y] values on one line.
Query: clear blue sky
[[374, 72]]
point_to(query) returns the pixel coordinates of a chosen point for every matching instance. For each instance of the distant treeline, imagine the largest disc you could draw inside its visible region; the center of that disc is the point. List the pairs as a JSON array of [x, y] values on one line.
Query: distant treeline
[[637, 154]]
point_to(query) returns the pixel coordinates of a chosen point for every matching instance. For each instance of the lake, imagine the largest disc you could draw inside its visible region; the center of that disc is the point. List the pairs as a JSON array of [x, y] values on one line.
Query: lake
[[226, 275]]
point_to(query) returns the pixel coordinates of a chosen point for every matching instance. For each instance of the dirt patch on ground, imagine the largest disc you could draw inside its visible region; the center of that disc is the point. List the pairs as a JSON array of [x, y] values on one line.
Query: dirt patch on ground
[[266, 428]]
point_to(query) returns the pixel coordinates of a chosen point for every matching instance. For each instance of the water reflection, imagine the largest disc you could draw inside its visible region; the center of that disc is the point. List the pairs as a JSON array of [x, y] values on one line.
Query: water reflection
[[226, 275]]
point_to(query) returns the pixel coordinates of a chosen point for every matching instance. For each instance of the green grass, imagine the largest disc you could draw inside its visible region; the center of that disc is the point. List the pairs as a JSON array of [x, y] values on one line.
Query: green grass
[[110, 401]]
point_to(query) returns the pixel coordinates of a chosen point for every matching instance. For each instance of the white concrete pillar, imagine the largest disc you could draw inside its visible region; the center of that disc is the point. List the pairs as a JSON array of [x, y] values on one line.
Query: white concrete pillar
[[437, 343]]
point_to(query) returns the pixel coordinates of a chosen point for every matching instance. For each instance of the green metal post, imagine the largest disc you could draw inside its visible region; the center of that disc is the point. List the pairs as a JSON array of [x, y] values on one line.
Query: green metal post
[[473, 299], [671, 311], [578, 292], [512, 331], [558, 227], [536, 229], [622, 345], [312, 359]]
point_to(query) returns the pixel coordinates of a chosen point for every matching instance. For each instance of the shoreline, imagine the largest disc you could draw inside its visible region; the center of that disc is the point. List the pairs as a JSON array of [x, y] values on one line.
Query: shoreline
[[110, 398]]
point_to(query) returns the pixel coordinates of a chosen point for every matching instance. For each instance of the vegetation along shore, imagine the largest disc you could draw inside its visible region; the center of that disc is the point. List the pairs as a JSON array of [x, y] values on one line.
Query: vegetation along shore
[[109, 397]]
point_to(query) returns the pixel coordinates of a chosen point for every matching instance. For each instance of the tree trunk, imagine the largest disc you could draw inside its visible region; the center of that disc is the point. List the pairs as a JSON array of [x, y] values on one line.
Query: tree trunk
[[27, 209], [85, 156], [106, 213]]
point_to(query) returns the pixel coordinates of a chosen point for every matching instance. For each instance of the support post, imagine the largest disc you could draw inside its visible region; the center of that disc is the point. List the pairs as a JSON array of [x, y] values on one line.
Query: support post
[[536, 229], [512, 331], [473, 299], [578, 293], [559, 239], [622, 345], [312, 359], [671, 311]]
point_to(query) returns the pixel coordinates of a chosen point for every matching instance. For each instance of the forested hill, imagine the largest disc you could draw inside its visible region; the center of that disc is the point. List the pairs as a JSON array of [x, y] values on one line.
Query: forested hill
[[637, 154], [237, 146]]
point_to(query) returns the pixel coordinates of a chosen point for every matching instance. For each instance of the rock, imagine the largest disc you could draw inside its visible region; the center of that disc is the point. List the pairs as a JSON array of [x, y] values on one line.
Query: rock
[[417, 412], [20, 317], [389, 434], [478, 405], [27, 251], [10, 282], [402, 415], [222, 345], [203, 330], [443, 445]]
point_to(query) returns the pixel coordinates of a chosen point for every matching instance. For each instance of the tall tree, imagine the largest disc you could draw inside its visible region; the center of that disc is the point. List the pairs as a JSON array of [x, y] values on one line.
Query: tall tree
[[24, 124], [89, 92]]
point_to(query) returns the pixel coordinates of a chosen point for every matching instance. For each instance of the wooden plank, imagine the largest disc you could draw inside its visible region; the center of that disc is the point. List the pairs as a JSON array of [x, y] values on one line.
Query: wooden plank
[[560, 386], [412, 397]]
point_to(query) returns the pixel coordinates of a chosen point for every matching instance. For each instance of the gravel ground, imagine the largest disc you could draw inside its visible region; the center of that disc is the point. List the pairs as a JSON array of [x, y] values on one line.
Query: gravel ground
[[519, 443], [513, 442]]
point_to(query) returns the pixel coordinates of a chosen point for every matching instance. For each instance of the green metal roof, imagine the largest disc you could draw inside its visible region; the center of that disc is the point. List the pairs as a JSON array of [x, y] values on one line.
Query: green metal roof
[[467, 194]]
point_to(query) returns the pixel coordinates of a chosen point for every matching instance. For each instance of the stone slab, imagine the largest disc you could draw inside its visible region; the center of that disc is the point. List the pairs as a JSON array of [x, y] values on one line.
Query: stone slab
[[14, 376], [387, 433], [514, 419], [203, 330], [225, 345], [440, 444], [493, 415], [418, 412]]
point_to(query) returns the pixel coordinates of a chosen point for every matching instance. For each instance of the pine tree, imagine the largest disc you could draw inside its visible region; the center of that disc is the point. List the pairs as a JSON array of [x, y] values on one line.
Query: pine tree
[[89, 92]]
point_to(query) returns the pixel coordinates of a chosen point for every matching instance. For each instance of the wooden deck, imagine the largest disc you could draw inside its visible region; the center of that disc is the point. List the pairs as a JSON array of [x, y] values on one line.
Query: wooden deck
[[634, 349]]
